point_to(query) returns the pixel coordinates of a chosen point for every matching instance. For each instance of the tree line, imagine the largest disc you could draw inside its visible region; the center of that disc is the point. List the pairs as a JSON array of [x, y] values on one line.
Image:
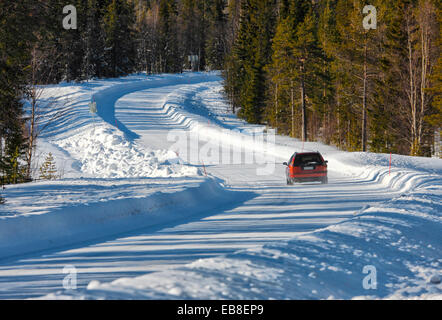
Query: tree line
[[311, 69], [112, 38], [305, 67], [118, 37]]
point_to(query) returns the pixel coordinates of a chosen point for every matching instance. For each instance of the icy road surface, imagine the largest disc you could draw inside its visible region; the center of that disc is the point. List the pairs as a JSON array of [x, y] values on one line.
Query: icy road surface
[[267, 210]]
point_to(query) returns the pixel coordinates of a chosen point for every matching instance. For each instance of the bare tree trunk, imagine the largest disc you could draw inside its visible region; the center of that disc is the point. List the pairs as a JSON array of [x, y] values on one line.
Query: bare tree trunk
[[40, 118], [31, 142], [303, 106], [292, 105], [364, 100], [34, 97], [412, 94], [424, 20], [326, 119], [339, 121], [276, 104]]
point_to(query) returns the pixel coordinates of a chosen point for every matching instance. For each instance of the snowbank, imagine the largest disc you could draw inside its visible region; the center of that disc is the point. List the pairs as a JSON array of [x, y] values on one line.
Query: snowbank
[[104, 152], [69, 212]]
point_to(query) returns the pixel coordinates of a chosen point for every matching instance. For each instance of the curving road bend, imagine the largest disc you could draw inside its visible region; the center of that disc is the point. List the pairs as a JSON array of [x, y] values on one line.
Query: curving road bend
[[272, 211]]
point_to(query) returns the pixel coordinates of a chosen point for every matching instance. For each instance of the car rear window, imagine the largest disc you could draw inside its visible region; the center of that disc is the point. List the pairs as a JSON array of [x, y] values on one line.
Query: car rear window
[[309, 158]]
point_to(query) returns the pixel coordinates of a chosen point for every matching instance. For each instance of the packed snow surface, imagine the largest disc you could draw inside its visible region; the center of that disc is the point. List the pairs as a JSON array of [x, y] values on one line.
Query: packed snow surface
[[399, 239], [162, 222]]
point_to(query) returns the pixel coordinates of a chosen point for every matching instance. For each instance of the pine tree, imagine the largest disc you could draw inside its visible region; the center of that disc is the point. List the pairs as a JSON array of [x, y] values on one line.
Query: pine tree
[[327, 34], [355, 61], [295, 67], [48, 170], [434, 118], [14, 174], [250, 55], [49, 45], [281, 74], [400, 117], [308, 57], [429, 51], [14, 59], [193, 18], [239, 56], [216, 43], [170, 59], [119, 44], [72, 46], [93, 38], [383, 113]]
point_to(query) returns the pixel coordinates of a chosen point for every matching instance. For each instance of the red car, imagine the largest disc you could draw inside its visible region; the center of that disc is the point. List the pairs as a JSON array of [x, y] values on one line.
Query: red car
[[306, 166]]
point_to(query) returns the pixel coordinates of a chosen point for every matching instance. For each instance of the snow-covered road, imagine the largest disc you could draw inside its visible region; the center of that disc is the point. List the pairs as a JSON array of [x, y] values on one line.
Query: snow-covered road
[[266, 209]]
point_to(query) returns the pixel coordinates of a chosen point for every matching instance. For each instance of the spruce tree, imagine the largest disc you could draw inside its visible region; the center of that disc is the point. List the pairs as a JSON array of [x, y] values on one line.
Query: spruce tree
[[326, 35], [308, 58], [281, 74], [296, 68], [72, 46], [216, 45], [48, 170], [355, 63], [119, 48], [93, 38], [170, 58], [239, 56], [250, 55], [434, 118], [383, 127], [14, 60]]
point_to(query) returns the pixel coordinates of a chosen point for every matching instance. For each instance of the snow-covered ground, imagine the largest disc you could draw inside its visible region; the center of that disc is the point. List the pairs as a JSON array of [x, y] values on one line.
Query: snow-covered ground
[[123, 183], [153, 205], [399, 240]]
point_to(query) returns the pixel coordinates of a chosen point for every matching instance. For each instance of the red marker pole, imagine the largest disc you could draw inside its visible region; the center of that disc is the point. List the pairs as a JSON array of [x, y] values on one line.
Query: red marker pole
[[204, 167]]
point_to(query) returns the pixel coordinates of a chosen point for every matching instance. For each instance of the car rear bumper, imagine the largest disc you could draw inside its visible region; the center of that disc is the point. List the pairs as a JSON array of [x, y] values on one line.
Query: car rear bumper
[[304, 175]]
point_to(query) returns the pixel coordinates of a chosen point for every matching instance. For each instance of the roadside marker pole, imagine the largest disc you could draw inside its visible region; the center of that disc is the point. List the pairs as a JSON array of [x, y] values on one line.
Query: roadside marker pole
[[93, 110], [204, 167]]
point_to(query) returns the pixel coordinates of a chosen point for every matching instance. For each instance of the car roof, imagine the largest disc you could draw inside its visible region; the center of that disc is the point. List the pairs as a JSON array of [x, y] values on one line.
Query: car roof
[[313, 152]]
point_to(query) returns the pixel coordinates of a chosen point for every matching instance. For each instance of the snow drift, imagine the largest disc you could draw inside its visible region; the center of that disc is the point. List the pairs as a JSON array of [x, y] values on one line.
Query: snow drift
[[104, 152], [107, 207]]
